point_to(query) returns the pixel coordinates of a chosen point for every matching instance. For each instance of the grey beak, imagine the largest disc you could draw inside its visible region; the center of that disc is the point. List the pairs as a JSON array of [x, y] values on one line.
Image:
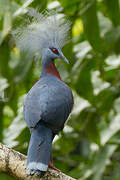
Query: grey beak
[[64, 58]]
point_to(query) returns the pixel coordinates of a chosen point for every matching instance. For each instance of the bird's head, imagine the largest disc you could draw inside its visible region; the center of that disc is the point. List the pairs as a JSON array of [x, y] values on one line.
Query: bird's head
[[44, 35], [52, 53]]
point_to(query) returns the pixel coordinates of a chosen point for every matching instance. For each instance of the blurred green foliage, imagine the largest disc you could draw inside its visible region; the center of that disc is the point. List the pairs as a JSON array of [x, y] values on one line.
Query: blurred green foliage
[[89, 146]]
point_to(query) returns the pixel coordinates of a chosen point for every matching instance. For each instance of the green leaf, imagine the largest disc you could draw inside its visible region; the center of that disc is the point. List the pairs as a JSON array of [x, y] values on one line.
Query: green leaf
[[91, 128], [105, 99], [112, 36], [113, 9], [4, 59], [83, 84], [70, 7], [111, 74], [91, 25]]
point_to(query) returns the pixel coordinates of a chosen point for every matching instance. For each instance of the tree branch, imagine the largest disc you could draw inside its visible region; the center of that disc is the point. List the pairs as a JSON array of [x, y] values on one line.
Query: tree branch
[[14, 164]]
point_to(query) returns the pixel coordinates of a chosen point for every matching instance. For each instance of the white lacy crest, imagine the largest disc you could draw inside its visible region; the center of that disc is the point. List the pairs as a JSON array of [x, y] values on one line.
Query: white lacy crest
[[41, 30]]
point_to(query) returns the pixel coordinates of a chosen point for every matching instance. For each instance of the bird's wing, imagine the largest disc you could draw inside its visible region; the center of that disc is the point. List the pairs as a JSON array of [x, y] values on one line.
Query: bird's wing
[[35, 104]]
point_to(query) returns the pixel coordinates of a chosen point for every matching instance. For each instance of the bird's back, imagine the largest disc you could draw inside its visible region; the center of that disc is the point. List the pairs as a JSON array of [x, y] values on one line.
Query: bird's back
[[49, 101]]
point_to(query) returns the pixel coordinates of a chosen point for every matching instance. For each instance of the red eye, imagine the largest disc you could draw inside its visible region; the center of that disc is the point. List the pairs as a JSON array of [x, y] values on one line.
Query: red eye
[[54, 50]]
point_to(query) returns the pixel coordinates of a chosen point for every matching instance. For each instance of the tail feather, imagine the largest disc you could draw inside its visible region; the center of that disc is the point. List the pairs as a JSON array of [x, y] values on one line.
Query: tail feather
[[39, 149]]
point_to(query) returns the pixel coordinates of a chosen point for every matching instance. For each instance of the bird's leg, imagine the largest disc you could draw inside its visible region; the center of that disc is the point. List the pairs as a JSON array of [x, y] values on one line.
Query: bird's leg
[[51, 164]]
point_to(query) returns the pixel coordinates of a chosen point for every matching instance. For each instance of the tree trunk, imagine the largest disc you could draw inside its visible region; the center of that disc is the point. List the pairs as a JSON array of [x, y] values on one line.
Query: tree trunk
[[14, 164]]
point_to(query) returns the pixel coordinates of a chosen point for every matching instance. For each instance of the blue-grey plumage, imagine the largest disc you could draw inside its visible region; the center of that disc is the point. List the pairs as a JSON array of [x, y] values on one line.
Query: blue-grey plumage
[[49, 102], [46, 108]]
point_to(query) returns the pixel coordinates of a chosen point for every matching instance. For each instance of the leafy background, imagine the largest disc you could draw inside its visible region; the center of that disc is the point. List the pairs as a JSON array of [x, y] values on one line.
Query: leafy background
[[89, 146]]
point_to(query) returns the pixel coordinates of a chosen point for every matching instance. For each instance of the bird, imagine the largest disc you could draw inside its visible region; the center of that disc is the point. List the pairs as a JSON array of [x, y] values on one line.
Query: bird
[[50, 101]]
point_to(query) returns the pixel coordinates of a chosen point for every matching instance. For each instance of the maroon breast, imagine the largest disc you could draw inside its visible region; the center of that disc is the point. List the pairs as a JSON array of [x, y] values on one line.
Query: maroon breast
[[50, 68]]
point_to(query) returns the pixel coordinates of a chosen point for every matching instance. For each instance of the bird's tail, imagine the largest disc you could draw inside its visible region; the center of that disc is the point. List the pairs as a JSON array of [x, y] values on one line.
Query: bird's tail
[[39, 150]]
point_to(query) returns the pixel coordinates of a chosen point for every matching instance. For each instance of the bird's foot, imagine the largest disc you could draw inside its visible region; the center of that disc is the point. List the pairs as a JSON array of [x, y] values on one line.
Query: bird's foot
[[36, 171], [36, 168], [53, 167]]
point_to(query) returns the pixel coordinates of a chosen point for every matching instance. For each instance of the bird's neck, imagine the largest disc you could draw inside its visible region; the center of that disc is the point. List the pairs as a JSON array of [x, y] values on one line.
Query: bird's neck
[[50, 68]]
